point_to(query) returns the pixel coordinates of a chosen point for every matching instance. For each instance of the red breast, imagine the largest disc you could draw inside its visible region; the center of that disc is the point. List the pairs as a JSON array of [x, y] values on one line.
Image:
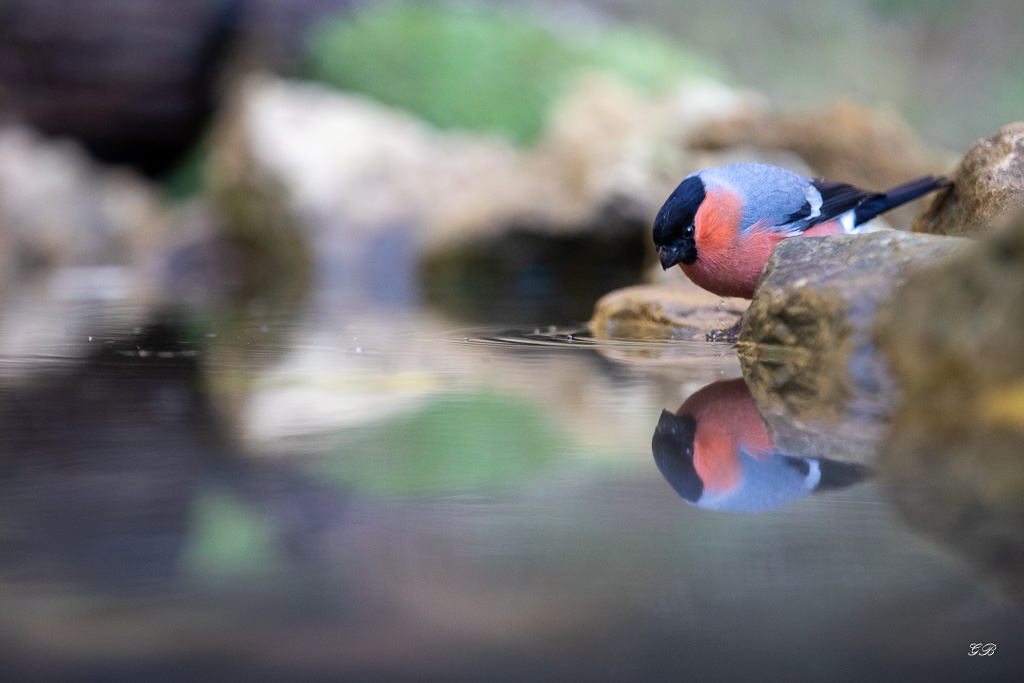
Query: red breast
[[729, 263], [726, 419]]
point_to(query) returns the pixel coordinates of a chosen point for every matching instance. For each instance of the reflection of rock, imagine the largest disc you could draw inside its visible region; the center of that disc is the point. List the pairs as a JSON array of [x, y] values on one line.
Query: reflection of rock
[[869, 149], [716, 454], [953, 335], [684, 311], [963, 486], [103, 471], [988, 183], [816, 300], [99, 465], [853, 436]]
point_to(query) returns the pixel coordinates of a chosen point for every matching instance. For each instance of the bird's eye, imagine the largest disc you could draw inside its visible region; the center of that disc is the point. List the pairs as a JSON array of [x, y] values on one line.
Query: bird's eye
[[688, 232]]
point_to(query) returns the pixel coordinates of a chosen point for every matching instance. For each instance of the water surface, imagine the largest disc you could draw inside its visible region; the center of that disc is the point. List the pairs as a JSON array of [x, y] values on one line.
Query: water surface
[[333, 494]]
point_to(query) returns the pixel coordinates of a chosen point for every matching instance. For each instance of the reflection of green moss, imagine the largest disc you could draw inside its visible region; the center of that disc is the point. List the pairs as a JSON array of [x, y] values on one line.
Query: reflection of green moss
[[475, 68], [455, 444], [227, 538]]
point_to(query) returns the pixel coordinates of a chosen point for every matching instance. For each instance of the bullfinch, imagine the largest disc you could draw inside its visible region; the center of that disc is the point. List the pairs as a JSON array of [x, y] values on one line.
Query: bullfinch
[[721, 224], [717, 454]]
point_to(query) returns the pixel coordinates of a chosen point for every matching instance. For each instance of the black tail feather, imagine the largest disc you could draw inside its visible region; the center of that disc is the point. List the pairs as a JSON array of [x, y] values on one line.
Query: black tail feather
[[836, 474], [898, 195]]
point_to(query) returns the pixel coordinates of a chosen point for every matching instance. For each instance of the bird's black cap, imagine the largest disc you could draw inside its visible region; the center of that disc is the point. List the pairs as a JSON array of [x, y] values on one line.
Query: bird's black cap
[[673, 228], [673, 454]]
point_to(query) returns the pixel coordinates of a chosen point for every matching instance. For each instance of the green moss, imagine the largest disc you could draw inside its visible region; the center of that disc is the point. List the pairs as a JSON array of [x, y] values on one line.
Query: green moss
[[455, 444], [648, 61], [475, 68], [185, 181]]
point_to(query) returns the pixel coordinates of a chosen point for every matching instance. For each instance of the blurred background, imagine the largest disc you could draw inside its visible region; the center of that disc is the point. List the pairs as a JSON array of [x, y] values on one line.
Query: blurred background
[[952, 69], [292, 379], [266, 129]]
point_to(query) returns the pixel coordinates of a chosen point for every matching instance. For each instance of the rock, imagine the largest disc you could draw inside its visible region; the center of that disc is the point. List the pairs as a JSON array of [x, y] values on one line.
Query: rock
[[644, 312], [334, 161], [953, 332], [133, 80], [61, 211], [988, 183], [605, 144], [332, 179], [573, 219], [80, 246], [84, 246], [527, 272], [605, 139], [806, 339], [954, 460], [875, 150], [337, 181], [258, 211], [493, 231], [852, 437], [819, 294]]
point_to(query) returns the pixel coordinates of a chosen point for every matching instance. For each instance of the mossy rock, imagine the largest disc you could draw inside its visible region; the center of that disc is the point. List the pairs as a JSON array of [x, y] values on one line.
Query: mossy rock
[[482, 69], [954, 459], [806, 340], [987, 186], [645, 312]]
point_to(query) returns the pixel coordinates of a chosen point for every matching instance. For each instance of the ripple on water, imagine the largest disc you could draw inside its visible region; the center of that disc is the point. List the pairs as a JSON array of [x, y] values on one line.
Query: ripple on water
[[577, 339]]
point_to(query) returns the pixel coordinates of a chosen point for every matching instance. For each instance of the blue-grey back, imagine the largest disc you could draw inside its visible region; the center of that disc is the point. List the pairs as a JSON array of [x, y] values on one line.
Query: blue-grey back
[[768, 192]]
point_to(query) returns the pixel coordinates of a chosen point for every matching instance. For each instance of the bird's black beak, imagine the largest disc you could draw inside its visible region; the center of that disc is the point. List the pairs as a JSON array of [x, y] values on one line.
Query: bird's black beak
[[668, 257], [685, 253], [674, 432]]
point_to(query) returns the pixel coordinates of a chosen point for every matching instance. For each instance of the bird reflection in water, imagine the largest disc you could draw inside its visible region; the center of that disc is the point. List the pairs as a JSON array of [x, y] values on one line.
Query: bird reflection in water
[[717, 455]]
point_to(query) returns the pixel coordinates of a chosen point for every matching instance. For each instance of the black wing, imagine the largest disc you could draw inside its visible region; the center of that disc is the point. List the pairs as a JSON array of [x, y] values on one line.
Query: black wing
[[838, 198]]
